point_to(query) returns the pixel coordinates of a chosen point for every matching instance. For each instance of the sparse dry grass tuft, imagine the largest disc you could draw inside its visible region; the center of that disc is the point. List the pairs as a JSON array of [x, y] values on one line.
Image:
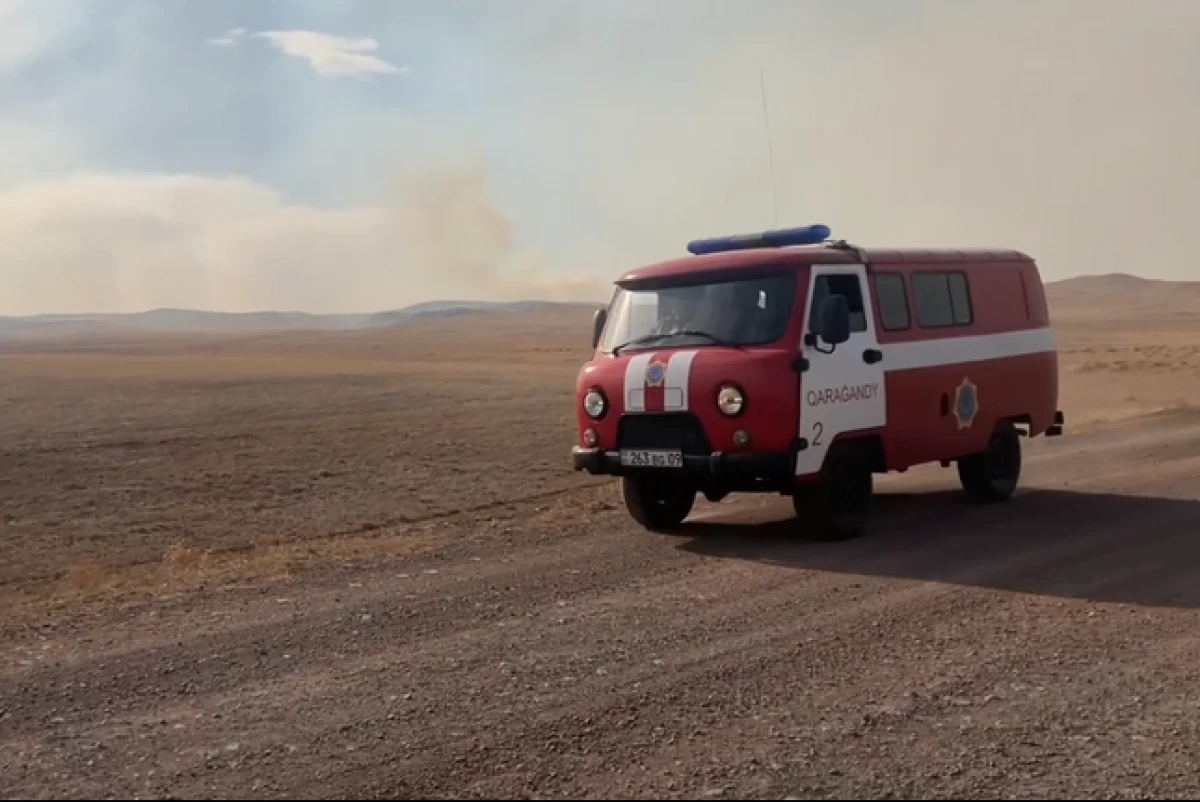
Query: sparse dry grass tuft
[[183, 560], [87, 577]]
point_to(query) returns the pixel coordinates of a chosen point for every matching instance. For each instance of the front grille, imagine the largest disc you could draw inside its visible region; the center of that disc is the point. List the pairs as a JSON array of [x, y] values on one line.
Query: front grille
[[682, 431]]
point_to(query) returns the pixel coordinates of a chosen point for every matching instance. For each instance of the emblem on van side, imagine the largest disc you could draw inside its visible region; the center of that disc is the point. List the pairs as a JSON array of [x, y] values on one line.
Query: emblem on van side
[[656, 373], [966, 404]]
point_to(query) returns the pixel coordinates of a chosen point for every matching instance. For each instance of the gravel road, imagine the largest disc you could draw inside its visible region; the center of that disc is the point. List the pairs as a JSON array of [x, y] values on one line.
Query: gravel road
[[1050, 646]]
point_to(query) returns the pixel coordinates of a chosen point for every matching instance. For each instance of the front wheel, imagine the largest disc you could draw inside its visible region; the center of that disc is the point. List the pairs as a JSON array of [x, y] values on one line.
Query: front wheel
[[837, 505], [657, 506], [992, 474]]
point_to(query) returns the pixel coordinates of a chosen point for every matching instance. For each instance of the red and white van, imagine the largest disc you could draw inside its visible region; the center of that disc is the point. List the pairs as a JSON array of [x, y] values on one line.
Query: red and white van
[[784, 362]]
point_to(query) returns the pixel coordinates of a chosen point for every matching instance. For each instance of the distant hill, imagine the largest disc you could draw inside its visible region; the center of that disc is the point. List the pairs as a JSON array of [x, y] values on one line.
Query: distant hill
[[1120, 294], [440, 309], [200, 321], [1113, 294], [175, 320]]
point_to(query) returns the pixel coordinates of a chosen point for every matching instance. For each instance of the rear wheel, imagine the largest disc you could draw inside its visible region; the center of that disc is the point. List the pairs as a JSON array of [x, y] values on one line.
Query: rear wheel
[[836, 506], [657, 506], [992, 475]]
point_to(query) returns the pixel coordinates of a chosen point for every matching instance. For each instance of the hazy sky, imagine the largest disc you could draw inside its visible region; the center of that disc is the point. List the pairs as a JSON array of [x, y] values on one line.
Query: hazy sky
[[360, 155]]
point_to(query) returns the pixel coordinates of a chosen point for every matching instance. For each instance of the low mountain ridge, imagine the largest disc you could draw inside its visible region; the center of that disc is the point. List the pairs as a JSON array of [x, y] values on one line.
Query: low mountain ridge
[[1122, 294], [169, 320], [1111, 294]]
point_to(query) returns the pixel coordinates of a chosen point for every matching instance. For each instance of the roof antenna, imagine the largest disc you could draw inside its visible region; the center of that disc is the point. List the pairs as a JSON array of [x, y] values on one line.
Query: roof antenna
[[762, 82]]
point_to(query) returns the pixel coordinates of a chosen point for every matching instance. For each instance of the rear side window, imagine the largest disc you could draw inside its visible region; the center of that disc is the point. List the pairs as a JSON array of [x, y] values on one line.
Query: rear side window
[[943, 299], [960, 298], [892, 298], [845, 285]]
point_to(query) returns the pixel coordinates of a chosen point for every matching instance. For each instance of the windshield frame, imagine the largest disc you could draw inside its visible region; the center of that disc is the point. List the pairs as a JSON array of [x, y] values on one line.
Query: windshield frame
[[790, 275]]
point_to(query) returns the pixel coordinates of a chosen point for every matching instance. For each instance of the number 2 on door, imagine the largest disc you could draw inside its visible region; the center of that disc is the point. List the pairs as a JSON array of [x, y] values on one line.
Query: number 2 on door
[[818, 430]]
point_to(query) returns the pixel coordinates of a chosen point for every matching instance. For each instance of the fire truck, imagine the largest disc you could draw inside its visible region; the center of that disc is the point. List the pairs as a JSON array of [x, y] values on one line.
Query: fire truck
[[788, 362]]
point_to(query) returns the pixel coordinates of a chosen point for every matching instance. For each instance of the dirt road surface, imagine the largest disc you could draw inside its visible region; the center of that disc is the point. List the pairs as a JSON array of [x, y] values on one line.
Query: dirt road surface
[[1049, 646]]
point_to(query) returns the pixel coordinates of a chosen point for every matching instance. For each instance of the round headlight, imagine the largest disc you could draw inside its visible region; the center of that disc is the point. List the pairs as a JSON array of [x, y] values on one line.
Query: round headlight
[[594, 404], [731, 401]]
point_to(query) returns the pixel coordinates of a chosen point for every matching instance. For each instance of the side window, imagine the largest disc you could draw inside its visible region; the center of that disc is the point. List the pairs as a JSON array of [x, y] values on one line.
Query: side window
[[892, 298], [943, 299], [960, 299], [844, 285]]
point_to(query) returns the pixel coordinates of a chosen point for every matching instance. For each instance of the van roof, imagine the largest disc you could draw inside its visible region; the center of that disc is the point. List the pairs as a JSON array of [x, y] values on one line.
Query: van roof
[[767, 258]]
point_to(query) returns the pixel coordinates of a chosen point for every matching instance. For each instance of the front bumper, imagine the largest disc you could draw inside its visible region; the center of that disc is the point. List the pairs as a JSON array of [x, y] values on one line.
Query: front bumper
[[762, 465]]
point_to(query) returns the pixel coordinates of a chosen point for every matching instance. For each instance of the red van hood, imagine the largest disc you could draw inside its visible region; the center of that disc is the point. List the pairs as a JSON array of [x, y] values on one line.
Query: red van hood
[[676, 380]]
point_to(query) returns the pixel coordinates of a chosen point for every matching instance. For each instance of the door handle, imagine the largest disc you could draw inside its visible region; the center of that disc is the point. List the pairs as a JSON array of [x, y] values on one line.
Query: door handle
[[872, 355]]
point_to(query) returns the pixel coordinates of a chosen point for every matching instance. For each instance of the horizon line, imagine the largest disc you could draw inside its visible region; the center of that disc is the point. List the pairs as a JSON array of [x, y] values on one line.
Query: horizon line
[[459, 301]]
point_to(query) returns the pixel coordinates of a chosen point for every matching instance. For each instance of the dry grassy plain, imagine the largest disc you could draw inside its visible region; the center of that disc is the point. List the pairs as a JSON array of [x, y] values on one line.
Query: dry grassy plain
[[405, 494], [117, 453]]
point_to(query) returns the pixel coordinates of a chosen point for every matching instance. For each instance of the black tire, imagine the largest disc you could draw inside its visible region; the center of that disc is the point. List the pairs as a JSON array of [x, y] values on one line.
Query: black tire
[[992, 475], [657, 506], [837, 506]]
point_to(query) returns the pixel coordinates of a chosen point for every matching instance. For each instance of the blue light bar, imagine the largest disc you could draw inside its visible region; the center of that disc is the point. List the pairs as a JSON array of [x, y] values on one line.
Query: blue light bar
[[780, 238]]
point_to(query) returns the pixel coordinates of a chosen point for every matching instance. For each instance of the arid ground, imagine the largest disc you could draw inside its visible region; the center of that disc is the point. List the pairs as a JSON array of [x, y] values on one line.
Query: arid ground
[[359, 564]]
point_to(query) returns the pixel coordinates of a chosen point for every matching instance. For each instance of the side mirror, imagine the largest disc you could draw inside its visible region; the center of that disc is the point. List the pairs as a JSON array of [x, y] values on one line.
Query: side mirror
[[834, 321], [598, 321]]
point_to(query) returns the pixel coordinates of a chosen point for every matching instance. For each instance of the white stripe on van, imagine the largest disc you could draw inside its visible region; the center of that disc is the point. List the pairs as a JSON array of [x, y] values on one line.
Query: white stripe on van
[[635, 382], [961, 350], [679, 376]]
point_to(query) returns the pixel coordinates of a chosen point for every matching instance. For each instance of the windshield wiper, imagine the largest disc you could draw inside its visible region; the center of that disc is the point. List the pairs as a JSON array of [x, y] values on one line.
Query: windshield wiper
[[651, 338], [643, 340], [697, 333]]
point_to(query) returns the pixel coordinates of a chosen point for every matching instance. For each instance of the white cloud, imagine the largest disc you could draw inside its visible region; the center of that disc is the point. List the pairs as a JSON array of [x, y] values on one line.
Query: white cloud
[[231, 37], [327, 54], [108, 243], [332, 55]]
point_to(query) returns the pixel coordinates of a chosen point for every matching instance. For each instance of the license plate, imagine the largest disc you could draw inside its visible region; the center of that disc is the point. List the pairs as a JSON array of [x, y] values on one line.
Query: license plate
[[648, 458]]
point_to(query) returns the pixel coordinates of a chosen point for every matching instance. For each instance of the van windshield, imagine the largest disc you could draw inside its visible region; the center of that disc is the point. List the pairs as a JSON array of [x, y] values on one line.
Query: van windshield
[[745, 311]]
